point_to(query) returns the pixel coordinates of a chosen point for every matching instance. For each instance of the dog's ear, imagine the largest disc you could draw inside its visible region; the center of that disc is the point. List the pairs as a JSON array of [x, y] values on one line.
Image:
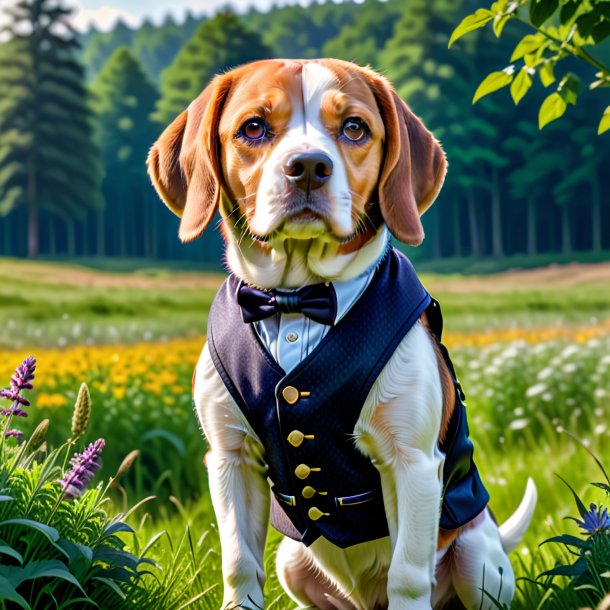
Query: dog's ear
[[413, 168], [184, 163]]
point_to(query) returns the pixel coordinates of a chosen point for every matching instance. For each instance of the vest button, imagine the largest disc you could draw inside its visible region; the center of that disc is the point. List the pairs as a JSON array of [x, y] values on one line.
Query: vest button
[[315, 513], [295, 438], [302, 471], [290, 394], [308, 492]]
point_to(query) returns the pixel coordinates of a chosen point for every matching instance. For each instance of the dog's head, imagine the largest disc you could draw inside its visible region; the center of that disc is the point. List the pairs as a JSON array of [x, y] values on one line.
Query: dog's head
[[307, 160]]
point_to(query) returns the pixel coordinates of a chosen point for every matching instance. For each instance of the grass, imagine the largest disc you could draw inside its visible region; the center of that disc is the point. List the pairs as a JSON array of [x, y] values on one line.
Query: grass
[[49, 304], [504, 331]]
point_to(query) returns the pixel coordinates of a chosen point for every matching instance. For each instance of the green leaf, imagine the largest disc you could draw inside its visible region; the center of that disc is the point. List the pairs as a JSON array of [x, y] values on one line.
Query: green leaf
[[8, 593], [50, 532], [527, 45], [49, 568], [470, 23], [547, 74], [10, 551], [520, 85], [111, 584], [568, 540], [499, 23], [552, 108], [541, 10], [569, 88], [604, 124], [492, 82], [567, 11], [586, 23], [576, 569], [118, 526], [600, 31]]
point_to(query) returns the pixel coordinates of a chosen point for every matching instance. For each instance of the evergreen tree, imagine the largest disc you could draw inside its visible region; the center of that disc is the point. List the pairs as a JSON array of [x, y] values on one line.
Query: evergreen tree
[[101, 45], [123, 98], [155, 47], [48, 159], [219, 44], [362, 40]]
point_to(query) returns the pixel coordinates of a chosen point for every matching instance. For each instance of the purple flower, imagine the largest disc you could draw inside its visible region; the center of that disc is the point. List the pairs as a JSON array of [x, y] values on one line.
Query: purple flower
[[15, 433], [84, 465], [20, 381], [595, 520]]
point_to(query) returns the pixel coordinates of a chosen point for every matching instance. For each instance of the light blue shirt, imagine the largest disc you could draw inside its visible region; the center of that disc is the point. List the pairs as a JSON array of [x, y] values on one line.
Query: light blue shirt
[[291, 337]]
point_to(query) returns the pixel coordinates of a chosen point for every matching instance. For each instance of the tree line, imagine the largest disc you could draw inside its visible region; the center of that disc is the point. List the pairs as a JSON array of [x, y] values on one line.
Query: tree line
[[79, 112]]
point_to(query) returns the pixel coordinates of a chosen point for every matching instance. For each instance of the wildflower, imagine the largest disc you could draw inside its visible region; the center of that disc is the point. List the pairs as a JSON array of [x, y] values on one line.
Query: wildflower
[[535, 390], [20, 381], [518, 424], [595, 520], [84, 465], [13, 432], [82, 411]]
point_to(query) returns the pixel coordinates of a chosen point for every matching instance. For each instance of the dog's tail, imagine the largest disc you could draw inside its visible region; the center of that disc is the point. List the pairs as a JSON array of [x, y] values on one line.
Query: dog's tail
[[513, 529]]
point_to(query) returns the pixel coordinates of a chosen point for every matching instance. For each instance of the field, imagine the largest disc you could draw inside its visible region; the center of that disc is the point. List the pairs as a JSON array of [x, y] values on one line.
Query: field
[[532, 350]]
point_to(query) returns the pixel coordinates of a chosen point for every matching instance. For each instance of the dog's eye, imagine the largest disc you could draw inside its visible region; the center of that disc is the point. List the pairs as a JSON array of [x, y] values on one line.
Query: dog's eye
[[355, 129], [254, 129]]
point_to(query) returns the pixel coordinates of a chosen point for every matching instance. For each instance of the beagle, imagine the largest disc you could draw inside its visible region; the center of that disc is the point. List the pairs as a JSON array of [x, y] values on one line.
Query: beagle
[[323, 390]]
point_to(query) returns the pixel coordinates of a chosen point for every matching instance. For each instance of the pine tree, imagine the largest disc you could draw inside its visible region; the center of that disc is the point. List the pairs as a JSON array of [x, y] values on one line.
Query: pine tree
[[123, 98], [48, 160], [362, 40], [218, 44]]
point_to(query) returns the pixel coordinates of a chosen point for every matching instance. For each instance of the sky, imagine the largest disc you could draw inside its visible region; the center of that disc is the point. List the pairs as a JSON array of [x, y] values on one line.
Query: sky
[[104, 13]]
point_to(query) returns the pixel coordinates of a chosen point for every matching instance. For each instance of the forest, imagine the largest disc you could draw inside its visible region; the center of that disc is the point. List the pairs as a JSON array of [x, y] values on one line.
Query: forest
[[78, 113]]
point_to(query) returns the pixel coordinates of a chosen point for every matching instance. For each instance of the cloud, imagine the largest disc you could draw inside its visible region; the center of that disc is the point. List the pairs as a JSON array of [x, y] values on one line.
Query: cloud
[[103, 18]]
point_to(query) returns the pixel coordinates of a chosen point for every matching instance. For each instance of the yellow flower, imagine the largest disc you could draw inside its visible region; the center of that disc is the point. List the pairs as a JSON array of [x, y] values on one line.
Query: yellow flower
[[50, 401]]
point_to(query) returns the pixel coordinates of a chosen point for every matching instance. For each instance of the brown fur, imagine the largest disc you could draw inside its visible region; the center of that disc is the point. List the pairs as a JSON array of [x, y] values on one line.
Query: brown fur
[[197, 158]]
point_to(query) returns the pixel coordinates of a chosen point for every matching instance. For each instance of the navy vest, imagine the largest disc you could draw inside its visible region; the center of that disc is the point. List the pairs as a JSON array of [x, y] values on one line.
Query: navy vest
[[321, 484]]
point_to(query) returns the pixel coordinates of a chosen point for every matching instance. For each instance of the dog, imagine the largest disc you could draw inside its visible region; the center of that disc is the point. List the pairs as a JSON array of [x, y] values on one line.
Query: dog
[[348, 426]]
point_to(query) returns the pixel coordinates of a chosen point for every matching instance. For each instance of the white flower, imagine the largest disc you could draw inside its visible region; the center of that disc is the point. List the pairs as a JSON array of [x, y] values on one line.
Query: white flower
[[570, 351], [547, 397], [599, 393], [605, 359], [598, 412], [535, 390], [518, 411], [545, 373], [570, 401], [599, 429], [569, 368], [519, 424], [510, 352]]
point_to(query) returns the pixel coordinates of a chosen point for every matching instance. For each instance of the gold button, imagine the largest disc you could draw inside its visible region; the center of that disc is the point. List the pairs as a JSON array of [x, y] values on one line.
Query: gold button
[[308, 492], [290, 394], [296, 437], [302, 471], [315, 513]]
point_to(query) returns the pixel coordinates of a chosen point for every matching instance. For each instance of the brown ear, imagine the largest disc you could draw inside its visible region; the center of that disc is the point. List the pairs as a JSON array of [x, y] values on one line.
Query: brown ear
[[413, 169], [184, 162]]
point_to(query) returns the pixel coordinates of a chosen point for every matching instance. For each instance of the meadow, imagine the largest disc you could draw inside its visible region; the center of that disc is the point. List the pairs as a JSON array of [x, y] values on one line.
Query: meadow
[[531, 348]]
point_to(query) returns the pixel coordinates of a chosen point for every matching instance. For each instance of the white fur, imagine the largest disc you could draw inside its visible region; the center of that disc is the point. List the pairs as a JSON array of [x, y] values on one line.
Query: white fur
[[305, 131]]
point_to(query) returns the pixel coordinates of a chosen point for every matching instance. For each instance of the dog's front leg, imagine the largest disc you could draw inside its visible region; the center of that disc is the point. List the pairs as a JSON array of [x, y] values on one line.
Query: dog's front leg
[[405, 416], [239, 490]]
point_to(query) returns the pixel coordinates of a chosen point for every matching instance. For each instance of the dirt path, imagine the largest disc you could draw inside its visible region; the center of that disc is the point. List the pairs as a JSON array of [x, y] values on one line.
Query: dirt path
[[545, 277]]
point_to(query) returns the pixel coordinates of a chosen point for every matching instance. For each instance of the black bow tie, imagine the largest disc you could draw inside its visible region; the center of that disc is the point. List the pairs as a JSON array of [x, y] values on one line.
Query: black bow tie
[[318, 302]]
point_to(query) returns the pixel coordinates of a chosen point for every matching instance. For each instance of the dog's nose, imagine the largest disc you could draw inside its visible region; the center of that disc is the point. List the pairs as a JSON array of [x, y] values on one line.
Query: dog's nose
[[309, 171]]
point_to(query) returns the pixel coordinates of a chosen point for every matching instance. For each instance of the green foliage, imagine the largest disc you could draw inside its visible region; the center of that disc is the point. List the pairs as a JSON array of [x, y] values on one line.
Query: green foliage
[[49, 160], [362, 40], [563, 29], [55, 552], [219, 44]]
